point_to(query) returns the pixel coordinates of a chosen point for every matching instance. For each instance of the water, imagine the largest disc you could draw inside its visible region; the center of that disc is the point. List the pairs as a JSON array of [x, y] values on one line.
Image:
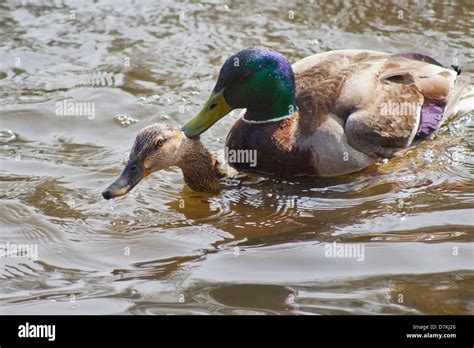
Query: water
[[259, 246]]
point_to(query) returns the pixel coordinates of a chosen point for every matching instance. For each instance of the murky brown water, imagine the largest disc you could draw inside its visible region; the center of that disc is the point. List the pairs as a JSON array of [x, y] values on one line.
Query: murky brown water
[[259, 246]]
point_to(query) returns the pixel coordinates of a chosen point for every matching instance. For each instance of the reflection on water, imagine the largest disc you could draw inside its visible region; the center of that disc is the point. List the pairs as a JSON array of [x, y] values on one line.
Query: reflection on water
[[260, 245]]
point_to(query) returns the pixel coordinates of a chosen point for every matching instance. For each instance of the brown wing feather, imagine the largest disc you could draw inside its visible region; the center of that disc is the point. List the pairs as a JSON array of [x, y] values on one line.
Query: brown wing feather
[[388, 122], [378, 95], [315, 101], [319, 86], [433, 81]]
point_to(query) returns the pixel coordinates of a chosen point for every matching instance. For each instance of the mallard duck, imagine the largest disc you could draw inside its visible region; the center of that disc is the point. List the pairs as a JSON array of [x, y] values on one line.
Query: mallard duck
[[332, 113], [160, 146]]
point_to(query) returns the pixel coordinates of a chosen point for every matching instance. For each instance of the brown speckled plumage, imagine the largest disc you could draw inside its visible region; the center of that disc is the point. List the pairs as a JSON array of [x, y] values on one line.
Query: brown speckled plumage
[[200, 168]]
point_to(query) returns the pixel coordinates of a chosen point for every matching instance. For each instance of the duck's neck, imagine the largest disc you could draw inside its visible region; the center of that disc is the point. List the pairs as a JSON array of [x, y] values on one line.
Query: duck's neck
[[200, 168], [276, 100]]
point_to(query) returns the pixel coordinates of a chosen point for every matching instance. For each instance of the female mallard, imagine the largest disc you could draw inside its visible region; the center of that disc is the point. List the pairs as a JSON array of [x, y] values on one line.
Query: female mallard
[[158, 147], [331, 113]]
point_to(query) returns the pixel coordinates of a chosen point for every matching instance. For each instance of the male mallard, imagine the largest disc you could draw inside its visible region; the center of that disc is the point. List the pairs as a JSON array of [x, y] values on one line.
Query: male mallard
[[332, 113]]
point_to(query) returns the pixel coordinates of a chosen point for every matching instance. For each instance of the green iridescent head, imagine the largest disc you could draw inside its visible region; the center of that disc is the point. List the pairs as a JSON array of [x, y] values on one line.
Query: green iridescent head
[[257, 79]]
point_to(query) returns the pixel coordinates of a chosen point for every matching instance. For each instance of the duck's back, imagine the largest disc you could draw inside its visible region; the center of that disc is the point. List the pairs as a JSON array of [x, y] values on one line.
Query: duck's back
[[355, 106]]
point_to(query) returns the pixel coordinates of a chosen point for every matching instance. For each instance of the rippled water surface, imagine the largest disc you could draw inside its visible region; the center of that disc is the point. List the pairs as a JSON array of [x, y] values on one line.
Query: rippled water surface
[[257, 247]]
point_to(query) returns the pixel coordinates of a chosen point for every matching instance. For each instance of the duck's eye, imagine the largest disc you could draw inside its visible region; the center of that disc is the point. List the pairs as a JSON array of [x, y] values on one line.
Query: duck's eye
[[212, 106], [133, 168], [160, 142]]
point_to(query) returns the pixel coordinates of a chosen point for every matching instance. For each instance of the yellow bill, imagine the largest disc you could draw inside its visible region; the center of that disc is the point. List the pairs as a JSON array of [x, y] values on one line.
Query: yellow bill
[[216, 107]]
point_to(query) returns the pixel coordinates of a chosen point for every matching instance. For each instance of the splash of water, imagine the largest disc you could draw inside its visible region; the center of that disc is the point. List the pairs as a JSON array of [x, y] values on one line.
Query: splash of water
[[7, 135], [125, 120], [111, 205]]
